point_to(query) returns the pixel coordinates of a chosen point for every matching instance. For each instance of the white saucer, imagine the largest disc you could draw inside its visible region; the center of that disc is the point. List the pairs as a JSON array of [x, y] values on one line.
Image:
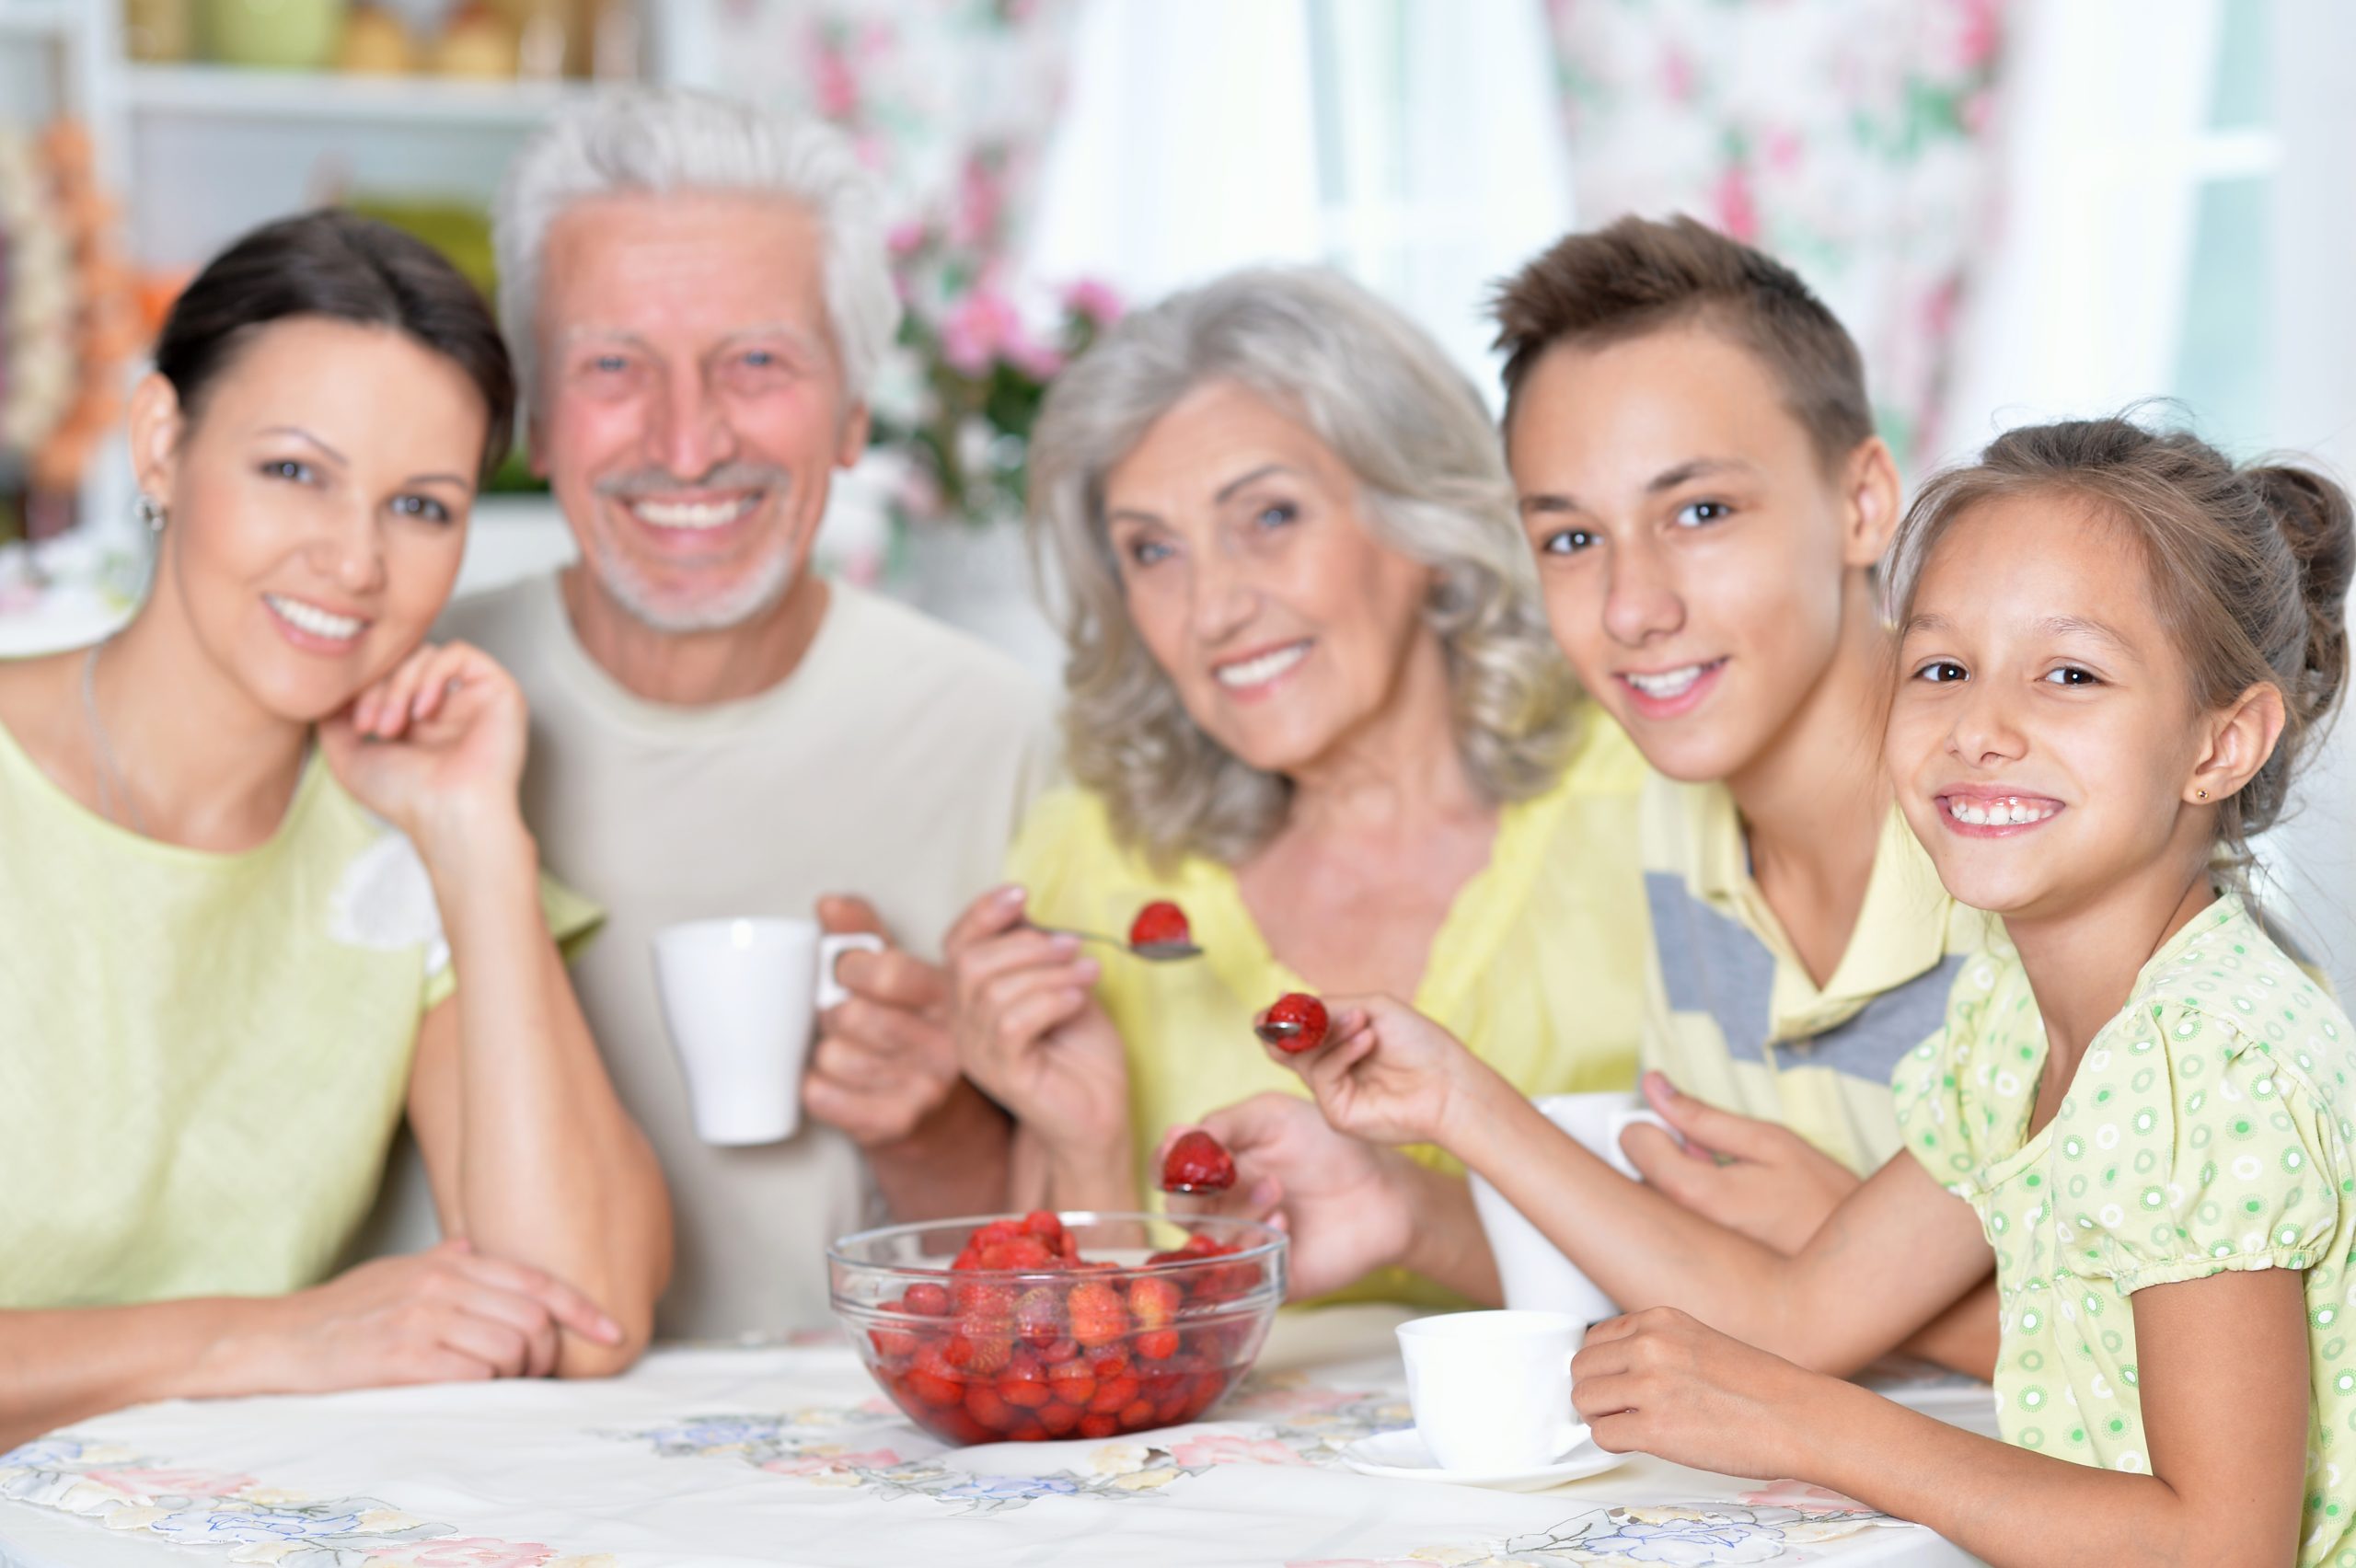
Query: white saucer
[[1400, 1456]]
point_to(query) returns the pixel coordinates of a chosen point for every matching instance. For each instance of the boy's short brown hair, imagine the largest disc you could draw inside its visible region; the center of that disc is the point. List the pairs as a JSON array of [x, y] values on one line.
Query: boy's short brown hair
[[1639, 275]]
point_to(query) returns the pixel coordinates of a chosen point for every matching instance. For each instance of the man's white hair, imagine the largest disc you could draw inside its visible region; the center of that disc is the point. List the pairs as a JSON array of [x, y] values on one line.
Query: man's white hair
[[664, 139]]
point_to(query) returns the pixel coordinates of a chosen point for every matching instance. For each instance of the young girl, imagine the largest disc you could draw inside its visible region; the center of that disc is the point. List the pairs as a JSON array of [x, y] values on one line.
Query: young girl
[[265, 889], [2114, 643]]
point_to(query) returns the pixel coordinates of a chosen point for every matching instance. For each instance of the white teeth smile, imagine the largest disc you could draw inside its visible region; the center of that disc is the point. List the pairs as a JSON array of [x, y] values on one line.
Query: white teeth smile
[[1261, 670], [2009, 812], [693, 514], [1666, 684], [315, 620]]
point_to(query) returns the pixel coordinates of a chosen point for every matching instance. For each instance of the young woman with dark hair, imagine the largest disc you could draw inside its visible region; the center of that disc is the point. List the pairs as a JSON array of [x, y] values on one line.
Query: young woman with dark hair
[[266, 891]]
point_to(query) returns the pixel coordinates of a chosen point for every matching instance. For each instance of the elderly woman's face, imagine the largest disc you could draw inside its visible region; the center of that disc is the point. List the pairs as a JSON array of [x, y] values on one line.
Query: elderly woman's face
[[1285, 626]]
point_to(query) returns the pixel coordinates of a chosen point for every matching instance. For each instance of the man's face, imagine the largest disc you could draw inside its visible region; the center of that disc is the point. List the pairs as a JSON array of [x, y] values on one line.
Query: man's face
[[692, 404]]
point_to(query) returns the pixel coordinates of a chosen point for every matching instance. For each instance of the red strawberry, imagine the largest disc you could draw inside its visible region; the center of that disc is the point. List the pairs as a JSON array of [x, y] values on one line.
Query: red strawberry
[[1022, 1253], [1295, 1008], [1023, 1384], [1160, 921], [1073, 1383], [1153, 1303], [1058, 1418], [928, 1301], [1136, 1415], [1109, 1398], [983, 1403], [983, 1354], [1098, 1426], [1097, 1316], [997, 1230], [1038, 1317], [1157, 1344], [934, 1379], [1197, 1163], [985, 1301], [1044, 1225]]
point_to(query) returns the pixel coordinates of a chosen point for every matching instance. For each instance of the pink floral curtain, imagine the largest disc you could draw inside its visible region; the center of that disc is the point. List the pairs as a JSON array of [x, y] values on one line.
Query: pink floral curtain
[[951, 101], [1849, 137]]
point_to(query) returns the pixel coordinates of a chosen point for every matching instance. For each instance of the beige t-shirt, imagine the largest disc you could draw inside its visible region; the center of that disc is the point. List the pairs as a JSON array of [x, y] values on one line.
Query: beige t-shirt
[[895, 762]]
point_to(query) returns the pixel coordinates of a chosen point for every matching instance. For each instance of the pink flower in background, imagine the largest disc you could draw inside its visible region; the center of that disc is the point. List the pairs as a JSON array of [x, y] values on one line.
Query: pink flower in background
[[981, 324], [1781, 150], [1982, 32], [1228, 1449], [1032, 357], [1094, 302], [1734, 206], [1677, 75], [905, 238], [835, 86], [981, 203]]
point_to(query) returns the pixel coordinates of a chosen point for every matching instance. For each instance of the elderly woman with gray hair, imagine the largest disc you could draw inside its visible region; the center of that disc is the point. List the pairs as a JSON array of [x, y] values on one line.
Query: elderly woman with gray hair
[[1312, 702]]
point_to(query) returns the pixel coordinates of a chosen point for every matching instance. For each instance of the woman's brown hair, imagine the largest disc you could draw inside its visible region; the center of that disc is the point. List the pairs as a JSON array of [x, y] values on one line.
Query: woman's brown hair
[[2249, 567]]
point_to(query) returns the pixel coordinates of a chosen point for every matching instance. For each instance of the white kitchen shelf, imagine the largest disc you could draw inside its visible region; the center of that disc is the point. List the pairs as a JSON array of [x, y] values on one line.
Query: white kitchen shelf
[[228, 92]]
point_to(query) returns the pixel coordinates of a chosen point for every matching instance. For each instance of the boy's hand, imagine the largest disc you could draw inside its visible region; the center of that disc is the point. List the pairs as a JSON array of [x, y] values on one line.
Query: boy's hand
[[1387, 1074], [1773, 1186], [1345, 1203]]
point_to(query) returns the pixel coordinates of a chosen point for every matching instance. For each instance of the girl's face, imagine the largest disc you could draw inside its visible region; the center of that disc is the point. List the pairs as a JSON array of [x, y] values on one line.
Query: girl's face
[[317, 505], [2045, 742], [1251, 579]]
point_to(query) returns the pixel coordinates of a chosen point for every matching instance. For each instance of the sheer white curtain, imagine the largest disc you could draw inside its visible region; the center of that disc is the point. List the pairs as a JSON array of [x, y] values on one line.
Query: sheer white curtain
[[1410, 143]]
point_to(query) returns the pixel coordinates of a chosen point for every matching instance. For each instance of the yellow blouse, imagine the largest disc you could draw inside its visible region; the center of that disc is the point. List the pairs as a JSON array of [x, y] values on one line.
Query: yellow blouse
[[1538, 966], [203, 1057]]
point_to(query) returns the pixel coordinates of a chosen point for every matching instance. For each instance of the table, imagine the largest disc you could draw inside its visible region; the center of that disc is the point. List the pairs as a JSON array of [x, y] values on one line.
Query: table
[[784, 1453]]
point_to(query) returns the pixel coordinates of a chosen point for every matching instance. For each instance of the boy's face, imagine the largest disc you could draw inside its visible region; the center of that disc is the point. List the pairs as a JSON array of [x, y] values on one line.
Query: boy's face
[[1695, 556]]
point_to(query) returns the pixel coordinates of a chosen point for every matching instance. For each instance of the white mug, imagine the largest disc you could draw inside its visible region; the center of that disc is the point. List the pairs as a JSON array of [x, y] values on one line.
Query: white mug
[[1534, 1273], [1492, 1390], [740, 997]]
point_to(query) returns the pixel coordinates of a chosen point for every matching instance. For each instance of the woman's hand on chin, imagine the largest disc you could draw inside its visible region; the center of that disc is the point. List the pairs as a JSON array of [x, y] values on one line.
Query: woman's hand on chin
[[1029, 1031], [448, 1314], [1349, 1207], [435, 748]]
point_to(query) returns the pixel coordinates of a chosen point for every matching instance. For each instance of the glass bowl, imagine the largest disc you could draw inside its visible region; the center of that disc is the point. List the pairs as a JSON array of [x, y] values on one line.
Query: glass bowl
[[1003, 1328]]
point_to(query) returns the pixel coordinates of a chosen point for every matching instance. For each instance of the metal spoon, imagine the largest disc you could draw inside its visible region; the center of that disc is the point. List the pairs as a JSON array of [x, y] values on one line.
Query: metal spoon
[[1152, 952], [1276, 1030]]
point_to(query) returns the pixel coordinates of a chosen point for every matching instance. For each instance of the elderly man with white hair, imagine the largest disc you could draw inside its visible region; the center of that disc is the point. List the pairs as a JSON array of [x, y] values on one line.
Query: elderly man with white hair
[[696, 295]]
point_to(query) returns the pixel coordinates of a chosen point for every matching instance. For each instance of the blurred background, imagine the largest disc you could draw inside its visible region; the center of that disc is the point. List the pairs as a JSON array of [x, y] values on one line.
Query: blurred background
[[2022, 208]]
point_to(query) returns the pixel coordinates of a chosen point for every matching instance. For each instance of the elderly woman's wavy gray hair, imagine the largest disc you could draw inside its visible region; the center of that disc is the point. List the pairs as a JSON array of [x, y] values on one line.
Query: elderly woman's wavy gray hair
[[1384, 397], [666, 139]]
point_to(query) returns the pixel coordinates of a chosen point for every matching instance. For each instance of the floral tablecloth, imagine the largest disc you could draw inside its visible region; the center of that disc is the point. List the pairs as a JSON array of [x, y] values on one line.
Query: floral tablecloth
[[784, 1454]]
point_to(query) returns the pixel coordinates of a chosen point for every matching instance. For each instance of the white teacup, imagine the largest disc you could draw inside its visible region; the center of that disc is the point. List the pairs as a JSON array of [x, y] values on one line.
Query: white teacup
[[1535, 1275], [1492, 1390], [740, 997]]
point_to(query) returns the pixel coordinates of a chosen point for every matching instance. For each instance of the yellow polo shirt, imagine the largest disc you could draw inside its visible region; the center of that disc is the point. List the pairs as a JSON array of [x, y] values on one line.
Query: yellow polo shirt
[[1532, 967], [1731, 1013]]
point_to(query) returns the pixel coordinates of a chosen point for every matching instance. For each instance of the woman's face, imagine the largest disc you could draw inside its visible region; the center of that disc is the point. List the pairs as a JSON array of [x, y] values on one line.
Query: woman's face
[[315, 505], [2045, 743], [1249, 574]]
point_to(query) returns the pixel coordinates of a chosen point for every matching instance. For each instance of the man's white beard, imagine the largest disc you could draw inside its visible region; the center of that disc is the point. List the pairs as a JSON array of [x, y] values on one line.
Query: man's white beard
[[741, 602]]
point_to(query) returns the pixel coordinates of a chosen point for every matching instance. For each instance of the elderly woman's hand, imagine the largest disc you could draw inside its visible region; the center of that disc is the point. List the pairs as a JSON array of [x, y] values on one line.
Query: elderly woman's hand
[[1030, 1034], [1348, 1206]]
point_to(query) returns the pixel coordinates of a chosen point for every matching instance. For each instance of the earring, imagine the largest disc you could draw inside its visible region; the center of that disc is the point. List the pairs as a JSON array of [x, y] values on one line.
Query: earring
[[2200, 794], [149, 511]]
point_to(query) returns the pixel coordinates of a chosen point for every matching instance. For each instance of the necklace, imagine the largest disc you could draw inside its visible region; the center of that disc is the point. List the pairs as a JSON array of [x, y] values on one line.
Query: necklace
[[111, 784]]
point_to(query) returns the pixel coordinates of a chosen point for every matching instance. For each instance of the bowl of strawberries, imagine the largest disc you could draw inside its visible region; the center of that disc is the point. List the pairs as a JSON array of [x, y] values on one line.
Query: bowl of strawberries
[[1031, 1327]]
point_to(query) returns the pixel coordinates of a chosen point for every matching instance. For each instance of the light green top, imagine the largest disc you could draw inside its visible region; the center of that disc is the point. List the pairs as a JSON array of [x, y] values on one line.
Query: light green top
[[2206, 1129], [202, 1056]]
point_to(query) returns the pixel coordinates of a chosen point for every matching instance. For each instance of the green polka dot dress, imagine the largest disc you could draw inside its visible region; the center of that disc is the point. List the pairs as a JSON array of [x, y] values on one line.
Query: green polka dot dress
[[2206, 1129]]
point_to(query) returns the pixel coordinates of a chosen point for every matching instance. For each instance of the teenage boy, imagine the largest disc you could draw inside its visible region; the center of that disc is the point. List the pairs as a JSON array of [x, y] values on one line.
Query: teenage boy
[[1696, 469]]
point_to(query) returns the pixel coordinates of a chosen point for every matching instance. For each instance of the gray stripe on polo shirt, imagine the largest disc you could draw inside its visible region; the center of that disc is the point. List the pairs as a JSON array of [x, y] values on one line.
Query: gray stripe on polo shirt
[[1712, 963]]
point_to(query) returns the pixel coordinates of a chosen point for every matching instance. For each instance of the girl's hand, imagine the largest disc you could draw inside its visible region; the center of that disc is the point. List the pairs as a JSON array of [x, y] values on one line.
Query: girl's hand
[[448, 1314], [1386, 1074], [1346, 1204], [1028, 1030], [434, 747], [1660, 1382]]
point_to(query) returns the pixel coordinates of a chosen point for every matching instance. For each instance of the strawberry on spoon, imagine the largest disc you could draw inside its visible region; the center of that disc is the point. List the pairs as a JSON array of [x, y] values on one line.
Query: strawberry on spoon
[[1198, 1163], [1295, 1022]]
